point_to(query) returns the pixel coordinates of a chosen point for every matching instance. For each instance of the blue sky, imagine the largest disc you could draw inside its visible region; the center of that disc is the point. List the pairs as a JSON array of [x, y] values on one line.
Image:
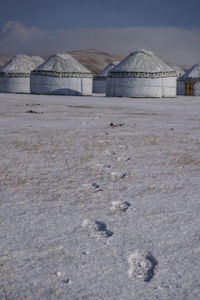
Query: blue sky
[[68, 14], [170, 28]]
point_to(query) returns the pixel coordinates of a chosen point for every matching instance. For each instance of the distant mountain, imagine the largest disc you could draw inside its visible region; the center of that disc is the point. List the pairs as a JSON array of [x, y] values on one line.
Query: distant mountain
[[93, 59], [4, 59]]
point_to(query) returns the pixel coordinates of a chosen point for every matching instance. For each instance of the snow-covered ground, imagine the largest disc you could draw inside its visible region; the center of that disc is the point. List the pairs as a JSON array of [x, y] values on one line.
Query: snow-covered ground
[[100, 198]]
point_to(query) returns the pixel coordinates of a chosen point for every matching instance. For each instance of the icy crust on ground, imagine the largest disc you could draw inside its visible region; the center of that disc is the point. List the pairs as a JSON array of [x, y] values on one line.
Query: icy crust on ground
[[91, 210]]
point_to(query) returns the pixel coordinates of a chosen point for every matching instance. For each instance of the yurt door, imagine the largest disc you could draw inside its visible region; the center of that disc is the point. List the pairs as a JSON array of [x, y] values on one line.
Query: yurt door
[[189, 88]]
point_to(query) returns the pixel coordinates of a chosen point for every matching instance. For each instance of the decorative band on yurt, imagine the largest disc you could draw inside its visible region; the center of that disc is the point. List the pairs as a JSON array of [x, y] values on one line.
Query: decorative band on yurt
[[190, 79], [2, 74], [141, 74], [61, 74], [100, 78]]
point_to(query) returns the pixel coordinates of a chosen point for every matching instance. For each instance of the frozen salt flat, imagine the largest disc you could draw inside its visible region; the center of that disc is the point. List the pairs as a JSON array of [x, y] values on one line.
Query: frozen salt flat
[[91, 210]]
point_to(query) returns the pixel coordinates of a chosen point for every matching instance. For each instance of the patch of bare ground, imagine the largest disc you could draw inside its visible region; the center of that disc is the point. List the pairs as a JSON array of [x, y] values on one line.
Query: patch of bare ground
[[27, 146], [79, 106], [185, 159], [145, 114]]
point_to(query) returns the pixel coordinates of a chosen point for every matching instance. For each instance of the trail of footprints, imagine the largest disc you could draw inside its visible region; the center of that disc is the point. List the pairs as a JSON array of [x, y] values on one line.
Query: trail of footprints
[[99, 228], [142, 265]]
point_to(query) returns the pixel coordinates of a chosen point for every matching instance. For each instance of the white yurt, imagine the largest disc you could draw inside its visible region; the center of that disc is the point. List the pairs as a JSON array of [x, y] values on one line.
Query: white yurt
[[190, 82], [15, 74], [39, 60], [61, 74], [141, 74], [99, 81], [179, 74], [178, 70]]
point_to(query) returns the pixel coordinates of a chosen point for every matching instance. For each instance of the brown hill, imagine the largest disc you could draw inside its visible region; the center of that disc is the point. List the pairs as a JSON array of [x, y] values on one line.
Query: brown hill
[[4, 59], [93, 59]]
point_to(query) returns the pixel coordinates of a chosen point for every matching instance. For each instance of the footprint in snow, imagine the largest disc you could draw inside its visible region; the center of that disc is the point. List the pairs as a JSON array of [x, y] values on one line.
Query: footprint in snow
[[97, 228], [93, 187], [118, 175], [142, 265], [119, 206]]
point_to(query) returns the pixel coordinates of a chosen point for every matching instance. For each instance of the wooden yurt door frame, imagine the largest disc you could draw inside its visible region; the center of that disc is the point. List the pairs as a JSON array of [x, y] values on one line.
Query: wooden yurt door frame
[[189, 88]]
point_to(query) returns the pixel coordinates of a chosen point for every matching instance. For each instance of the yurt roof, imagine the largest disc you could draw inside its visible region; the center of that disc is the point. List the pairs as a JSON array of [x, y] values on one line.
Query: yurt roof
[[177, 69], [38, 59], [142, 61], [62, 62], [20, 63], [107, 69], [194, 72]]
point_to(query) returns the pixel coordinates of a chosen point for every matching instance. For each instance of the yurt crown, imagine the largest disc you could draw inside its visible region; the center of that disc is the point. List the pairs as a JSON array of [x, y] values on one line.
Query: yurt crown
[[144, 51], [193, 73], [63, 55]]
